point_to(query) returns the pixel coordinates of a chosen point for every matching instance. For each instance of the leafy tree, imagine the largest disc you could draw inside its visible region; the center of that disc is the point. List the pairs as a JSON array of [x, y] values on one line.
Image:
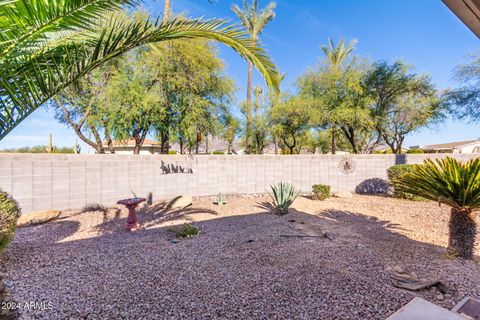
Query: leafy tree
[[232, 129], [455, 184], [260, 130], [148, 91], [403, 102], [465, 100], [79, 106], [290, 121], [254, 20], [336, 55], [131, 99], [342, 106], [45, 46], [193, 87]]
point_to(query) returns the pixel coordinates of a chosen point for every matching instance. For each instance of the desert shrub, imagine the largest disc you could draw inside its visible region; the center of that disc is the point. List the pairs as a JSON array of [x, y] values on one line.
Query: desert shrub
[[396, 172], [9, 212], [320, 191], [373, 186], [413, 151], [283, 194], [92, 207], [185, 231]]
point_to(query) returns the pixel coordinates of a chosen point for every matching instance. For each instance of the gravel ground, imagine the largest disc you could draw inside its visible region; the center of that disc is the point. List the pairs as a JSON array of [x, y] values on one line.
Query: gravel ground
[[85, 266]]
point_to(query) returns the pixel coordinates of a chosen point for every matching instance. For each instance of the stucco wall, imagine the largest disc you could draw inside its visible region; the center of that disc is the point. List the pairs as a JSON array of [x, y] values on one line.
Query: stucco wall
[[40, 181]]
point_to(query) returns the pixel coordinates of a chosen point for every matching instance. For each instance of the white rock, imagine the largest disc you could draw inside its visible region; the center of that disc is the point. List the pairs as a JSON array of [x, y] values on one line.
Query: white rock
[[342, 194], [398, 269]]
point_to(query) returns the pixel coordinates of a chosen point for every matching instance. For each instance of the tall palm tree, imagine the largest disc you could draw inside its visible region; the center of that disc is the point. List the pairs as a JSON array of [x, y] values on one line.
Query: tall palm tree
[[254, 20], [45, 46], [455, 184], [336, 55]]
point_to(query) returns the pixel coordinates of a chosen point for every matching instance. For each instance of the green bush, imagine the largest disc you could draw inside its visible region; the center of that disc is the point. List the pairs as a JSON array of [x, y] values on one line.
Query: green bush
[[185, 231], [218, 152], [395, 172], [413, 151], [9, 212], [320, 191], [172, 152]]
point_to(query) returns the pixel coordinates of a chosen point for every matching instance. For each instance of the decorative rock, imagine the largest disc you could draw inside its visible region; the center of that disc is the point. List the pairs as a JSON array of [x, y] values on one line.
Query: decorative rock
[[37, 217], [439, 297], [398, 269], [180, 202], [342, 194]]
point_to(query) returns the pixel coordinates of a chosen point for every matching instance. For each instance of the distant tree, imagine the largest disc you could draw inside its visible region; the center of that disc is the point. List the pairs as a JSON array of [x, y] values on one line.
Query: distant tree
[[38, 149], [232, 129], [254, 20], [147, 91], [403, 102], [465, 101], [290, 121], [341, 105], [336, 55], [132, 99], [79, 107], [260, 131]]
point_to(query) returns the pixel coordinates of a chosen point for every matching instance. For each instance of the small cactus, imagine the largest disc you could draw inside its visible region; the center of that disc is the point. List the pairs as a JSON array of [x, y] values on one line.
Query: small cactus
[[50, 148], [220, 200], [76, 148]]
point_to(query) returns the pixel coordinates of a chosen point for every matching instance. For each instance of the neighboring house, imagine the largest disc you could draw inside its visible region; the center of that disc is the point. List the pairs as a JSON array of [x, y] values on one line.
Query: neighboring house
[[127, 146], [470, 146]]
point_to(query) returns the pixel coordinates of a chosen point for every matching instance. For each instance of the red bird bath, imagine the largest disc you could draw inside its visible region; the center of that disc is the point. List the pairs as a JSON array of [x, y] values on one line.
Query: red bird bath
[[132, 220]]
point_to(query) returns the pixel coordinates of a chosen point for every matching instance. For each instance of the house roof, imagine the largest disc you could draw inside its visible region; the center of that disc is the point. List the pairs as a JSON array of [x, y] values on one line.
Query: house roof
[[450, 145], [383, 147], [131, 143], [468, 11]]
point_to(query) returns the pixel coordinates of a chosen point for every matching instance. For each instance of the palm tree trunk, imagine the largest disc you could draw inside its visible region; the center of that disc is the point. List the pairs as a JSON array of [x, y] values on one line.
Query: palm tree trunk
[[463, 230], [166, 10], [248, 108]]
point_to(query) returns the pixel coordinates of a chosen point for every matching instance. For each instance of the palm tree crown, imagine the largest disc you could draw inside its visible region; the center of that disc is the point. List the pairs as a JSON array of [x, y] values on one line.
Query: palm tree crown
[[455, 184], [336, 54], [447, 181], [253, 19]]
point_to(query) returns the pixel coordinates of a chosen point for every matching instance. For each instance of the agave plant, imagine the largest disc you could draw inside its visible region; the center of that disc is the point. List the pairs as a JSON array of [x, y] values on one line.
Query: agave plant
[[283, 194], [455, 184], [45, 46]]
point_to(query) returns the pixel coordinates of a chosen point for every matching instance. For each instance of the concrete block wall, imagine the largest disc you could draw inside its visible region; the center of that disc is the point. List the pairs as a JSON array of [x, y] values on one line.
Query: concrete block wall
[[44, 181]]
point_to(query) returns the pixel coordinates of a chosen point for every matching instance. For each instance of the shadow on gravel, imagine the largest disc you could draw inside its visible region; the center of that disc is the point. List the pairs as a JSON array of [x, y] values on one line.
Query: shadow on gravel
[[48, 233], [230, 255], [149, 216]]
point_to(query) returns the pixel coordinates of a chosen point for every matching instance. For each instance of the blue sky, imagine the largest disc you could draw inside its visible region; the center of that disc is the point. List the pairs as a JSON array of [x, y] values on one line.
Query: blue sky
[[423, 32]]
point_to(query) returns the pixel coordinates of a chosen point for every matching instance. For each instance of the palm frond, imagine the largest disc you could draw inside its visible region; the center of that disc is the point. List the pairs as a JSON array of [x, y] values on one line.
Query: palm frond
[[27, 25], [27, 83], [447, 181]]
